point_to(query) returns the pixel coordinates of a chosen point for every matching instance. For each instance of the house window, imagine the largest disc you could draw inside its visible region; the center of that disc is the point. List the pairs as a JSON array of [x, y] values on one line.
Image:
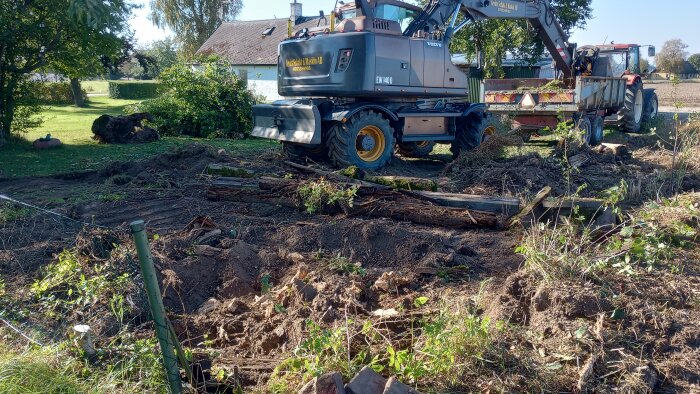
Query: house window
[[243, 75], [268, 31]]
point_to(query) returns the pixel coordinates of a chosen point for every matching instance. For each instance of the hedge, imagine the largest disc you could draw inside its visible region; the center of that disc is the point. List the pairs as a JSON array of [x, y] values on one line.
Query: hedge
[[133, 90], [55, 93]]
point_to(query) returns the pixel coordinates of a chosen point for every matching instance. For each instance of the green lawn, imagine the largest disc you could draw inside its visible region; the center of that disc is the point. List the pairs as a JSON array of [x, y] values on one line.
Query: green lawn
[[95, 87], [80, 153]]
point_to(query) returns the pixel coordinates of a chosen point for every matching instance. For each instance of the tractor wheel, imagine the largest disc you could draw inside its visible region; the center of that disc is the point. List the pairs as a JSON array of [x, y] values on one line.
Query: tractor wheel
[[651, 106], [597, 131], [585, 128], [471, 132], [366, 141], [313, 152], [633, 111], [415, 149]]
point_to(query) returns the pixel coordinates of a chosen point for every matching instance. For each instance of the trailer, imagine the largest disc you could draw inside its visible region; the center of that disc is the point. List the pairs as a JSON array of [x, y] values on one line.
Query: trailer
[[543, 103], [608, 89]]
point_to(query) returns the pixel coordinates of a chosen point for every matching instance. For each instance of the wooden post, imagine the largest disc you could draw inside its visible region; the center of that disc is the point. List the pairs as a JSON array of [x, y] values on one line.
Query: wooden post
[[148, 271]]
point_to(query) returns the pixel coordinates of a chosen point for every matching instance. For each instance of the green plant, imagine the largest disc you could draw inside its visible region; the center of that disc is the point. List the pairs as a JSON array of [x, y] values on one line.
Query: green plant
[[210, 102], [66, 285], [133, 90], [343, 265], [10, 213], [320, 196]]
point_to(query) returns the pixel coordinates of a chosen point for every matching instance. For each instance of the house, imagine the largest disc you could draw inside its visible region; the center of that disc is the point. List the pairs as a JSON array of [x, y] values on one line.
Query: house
[[251, 47]]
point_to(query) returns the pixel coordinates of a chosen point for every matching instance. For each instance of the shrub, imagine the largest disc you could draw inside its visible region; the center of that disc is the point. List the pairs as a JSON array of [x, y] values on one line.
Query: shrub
[[55, 93], [133, 90], [211, 102]]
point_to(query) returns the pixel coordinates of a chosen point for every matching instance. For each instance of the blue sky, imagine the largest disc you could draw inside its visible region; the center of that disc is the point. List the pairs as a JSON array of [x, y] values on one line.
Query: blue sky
[[639, 22]]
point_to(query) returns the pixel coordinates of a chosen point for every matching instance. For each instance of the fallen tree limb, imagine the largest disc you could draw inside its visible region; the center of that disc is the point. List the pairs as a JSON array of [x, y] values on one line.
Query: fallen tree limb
[[539, 198], [370, 201], [499, 205]]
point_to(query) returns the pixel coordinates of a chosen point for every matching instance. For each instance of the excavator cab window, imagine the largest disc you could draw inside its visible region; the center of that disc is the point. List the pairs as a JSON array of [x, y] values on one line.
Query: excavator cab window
[[391, 12]]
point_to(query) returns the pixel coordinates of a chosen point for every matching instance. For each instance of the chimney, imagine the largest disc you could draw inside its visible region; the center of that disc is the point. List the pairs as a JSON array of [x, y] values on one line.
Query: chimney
[[295, 12]]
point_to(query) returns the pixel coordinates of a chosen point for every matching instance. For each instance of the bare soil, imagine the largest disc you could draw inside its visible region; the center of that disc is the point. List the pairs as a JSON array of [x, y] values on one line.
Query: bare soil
[[243, 278], [686, 92]]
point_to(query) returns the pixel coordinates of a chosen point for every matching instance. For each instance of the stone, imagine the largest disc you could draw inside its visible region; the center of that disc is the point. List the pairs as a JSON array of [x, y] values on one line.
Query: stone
[[390, 282], [366, 382], [330, 383], [208, 306], [46, 143], [305, 290], [394, 386], [541, 300]]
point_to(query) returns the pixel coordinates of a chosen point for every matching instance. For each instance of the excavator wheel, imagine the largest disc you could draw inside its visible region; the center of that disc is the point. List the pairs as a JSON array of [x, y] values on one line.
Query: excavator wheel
[[317, 153], [471, 132], [415, 149], [633, 111], [366, 140], [651, 105]]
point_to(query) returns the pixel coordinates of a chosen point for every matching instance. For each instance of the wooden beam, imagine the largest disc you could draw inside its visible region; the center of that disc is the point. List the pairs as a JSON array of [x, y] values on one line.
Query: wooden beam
[[499, 205]]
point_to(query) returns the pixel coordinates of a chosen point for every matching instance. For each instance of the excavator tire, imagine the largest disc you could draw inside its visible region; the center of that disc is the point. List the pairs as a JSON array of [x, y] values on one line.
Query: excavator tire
[[633, 111], [415, 149], [472, 130], [366, 140], [651, 105], [316, 153]]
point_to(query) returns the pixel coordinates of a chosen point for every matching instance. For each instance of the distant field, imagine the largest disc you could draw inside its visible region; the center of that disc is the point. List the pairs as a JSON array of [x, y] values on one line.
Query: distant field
[[686, 92]]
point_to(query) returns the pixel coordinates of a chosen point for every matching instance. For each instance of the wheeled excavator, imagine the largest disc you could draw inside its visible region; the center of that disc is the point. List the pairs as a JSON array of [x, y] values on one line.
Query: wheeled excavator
[[382, 79]]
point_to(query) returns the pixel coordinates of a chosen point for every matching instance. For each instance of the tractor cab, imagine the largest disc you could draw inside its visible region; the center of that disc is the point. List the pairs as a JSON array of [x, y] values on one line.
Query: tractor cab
[[624, 59]]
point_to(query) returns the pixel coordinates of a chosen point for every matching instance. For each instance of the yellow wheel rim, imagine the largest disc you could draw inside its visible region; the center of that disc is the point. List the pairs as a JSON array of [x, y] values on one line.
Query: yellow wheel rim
[[377, 148], [488, 132], [422, 144]]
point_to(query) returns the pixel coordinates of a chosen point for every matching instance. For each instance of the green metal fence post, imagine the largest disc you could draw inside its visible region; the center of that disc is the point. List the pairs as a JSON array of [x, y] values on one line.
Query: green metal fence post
[[172, 371]]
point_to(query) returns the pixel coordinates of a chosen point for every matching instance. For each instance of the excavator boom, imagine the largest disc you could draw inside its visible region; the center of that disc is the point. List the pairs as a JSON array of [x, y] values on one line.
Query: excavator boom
[[540, 14]]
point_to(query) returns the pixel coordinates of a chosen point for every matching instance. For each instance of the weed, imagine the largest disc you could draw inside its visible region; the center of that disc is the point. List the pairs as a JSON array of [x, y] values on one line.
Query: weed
[[10, 213], [424, 354], [266, 283], [343, 265], [322, 196], [66, 286]]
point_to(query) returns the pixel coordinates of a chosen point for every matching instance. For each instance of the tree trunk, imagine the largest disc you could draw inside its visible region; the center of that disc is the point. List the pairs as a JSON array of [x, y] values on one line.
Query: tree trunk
[[7, 107], [77, 91]]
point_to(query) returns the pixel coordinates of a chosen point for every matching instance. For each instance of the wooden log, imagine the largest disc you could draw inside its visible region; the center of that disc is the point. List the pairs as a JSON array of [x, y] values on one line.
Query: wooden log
[[499, 205], [427, 214], [229, 171], [394, 182], [539, 198], [615, 149], [241, 183], [332, 175], [370, 202], [577, 161]]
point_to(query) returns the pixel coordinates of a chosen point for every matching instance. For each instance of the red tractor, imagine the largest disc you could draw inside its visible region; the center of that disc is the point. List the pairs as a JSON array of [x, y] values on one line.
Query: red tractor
[[641, 105]]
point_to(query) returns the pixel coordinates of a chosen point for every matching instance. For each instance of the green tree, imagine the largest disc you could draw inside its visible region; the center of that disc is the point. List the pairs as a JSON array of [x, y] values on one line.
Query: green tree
[[671, 58], [494, 38], [695, 61], [35, 33], [164, 55], [193, 21]]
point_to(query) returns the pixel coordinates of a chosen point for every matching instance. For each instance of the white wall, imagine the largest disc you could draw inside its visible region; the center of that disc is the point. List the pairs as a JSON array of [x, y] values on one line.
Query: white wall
[[262, 80]]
